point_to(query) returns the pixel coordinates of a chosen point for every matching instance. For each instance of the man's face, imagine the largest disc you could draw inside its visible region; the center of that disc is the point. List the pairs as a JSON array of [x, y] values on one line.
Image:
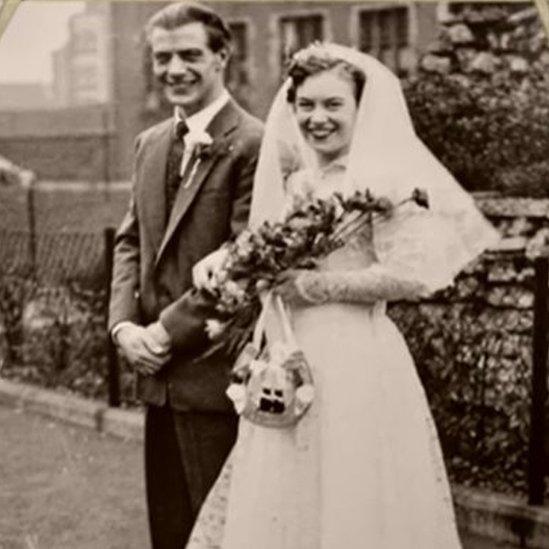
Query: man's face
[[191, 73]]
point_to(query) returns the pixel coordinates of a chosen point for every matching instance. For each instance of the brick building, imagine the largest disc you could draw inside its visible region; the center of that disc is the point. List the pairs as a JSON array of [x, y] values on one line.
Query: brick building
[[18, 96], [265, 32], [104, 84], [82, 67]]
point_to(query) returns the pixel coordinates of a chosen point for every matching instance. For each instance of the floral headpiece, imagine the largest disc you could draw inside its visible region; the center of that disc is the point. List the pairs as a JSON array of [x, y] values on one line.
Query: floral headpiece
[[315, 49]]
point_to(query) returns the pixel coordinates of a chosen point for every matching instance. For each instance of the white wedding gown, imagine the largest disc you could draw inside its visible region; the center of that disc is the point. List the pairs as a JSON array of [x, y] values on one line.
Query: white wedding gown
[[363, 468]]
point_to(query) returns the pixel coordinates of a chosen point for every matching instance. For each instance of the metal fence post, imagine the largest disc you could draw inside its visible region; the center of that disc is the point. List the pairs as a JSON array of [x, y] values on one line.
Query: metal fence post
[[536, 458], [28, 180], [113, 369], [106, 144]]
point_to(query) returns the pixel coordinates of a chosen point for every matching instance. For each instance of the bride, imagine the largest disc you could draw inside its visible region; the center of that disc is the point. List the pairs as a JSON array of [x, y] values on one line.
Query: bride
[[363, 467]]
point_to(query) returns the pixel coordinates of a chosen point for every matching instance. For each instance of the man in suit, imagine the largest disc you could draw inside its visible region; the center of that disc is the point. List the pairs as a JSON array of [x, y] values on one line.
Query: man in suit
[[192, 186]]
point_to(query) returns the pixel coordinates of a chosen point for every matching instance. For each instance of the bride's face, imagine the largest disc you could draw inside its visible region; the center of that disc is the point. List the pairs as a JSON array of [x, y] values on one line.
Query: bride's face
[[325, 108]]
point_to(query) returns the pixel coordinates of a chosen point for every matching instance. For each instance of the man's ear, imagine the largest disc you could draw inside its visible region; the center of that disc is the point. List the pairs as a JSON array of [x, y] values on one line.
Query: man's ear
[[223, 56]]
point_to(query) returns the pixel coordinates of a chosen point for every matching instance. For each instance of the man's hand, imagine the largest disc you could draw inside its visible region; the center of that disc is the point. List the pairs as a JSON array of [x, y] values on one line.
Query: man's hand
[[205, 269], [142, 348], [160, 336]]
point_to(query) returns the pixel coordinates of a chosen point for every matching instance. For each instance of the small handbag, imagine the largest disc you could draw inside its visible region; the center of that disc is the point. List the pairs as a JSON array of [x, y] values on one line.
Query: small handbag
[[272, 386]]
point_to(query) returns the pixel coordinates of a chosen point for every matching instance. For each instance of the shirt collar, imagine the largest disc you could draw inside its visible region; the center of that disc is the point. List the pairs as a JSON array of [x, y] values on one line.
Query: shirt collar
[[199, 121]]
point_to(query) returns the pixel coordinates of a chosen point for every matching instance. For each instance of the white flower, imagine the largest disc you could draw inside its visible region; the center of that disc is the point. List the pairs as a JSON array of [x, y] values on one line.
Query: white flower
[[538, 245], [244, 237], [234, 289], [214, 328], [196, 143], [257, 366], [304, 396], [237, 393], [195, 139], [316, 49]]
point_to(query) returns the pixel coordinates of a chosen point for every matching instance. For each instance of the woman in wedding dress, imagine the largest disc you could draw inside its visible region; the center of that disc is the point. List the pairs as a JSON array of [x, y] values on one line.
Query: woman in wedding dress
[[362, 469]]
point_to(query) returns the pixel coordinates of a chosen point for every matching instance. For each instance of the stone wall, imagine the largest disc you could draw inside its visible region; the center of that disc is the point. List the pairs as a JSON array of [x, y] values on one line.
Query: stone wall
[[473, 349], [485, 39]]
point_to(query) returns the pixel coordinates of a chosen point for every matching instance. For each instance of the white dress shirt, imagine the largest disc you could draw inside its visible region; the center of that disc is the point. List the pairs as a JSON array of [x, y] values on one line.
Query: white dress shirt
[[198, 122]]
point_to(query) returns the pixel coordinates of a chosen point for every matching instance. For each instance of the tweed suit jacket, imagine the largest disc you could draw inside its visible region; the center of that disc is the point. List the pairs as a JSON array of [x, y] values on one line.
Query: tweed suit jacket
[[153, 260]]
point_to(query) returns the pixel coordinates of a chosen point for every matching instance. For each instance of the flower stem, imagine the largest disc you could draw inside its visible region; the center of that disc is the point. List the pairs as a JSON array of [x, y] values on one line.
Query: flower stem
[[359, 222]]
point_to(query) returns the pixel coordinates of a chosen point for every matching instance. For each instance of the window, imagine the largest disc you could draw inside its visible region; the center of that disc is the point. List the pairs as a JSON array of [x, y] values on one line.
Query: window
[[85, 78], [297, 32], [147, 68], [85, 41], [154, 101], [384, 34], [237, 76]]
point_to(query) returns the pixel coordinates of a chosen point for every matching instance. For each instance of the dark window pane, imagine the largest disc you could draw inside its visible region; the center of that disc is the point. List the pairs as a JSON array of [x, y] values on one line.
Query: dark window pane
[[367, 22], [237, 77], [401, 15], [297, 32], [384, 34], [385, 28]]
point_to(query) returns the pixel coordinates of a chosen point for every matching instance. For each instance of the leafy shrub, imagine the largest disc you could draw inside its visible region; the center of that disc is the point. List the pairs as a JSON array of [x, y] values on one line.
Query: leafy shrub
[[472, 346], [480, 100], [479, 398], [490, 131], [15, 290], [64, 344]]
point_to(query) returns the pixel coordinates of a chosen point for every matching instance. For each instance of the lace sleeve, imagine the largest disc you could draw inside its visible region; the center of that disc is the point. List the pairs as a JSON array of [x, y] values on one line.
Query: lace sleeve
[[375, 283], [406, 267]]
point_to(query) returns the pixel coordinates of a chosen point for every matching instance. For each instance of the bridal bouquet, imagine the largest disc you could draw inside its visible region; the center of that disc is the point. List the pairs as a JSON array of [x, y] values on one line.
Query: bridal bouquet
[[311, 229]]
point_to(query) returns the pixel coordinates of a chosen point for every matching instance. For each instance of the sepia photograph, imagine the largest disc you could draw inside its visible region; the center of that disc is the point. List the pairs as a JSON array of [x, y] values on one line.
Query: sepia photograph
[[274, 274]]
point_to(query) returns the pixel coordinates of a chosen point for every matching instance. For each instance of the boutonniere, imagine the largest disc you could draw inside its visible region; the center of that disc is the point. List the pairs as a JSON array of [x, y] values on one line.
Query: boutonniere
[[199, 146]]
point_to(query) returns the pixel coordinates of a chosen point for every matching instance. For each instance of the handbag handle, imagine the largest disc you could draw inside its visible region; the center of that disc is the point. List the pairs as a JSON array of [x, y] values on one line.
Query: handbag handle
[[283, 317], [260, 324], [285, 321]]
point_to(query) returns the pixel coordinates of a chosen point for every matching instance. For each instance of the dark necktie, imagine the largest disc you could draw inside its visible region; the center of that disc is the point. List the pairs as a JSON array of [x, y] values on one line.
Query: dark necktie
[[175, 155]]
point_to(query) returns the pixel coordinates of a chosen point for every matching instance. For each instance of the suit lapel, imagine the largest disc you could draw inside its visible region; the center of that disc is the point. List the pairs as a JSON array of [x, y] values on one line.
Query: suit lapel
[[154, 176], [223, 123]]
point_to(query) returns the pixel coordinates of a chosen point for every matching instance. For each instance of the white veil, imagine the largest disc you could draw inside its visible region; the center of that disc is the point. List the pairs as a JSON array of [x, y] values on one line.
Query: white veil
[[387, 157]]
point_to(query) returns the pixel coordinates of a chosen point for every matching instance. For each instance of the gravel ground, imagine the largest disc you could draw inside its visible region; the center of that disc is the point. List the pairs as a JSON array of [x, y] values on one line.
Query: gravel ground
[[63, 487]]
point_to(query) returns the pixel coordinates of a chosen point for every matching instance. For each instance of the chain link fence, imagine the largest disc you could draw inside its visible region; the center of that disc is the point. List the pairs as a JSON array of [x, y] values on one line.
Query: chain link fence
[[54, 281]]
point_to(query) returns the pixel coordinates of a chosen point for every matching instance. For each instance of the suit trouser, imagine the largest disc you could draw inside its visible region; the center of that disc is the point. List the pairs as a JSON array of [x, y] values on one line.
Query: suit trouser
[[184, 453]]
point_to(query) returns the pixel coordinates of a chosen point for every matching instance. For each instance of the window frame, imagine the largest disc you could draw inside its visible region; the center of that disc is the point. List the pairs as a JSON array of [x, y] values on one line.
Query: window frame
[[375, 8], [249, 64], [275, 28]]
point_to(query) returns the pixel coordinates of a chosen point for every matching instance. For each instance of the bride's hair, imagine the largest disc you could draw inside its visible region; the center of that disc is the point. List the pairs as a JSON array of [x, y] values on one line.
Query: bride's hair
[[314, 60]]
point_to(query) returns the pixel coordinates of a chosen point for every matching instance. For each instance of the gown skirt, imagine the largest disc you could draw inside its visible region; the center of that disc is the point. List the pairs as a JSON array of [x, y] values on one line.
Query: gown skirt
[[361, 470]]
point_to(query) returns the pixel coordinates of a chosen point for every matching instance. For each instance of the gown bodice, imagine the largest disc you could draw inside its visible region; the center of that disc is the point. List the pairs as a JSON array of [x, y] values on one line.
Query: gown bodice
[[358, 253]]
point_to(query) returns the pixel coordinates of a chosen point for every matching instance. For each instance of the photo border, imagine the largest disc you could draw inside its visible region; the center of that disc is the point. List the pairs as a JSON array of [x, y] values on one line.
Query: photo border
[[9, 7]]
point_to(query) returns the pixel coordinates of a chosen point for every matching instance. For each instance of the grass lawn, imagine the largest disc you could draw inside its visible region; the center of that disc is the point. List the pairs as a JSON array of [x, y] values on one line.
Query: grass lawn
[[66, 488]]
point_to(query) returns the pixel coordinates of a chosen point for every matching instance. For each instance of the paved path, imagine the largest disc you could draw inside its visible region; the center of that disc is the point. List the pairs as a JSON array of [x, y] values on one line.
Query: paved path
[[63, 487]]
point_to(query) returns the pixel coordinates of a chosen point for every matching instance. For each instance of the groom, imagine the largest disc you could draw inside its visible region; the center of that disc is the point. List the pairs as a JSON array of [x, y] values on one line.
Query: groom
[[192, 185]]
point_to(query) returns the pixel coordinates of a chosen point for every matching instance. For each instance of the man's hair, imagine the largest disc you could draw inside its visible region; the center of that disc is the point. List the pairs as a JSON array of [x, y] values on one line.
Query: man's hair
[[304, 66], [181, 13]]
